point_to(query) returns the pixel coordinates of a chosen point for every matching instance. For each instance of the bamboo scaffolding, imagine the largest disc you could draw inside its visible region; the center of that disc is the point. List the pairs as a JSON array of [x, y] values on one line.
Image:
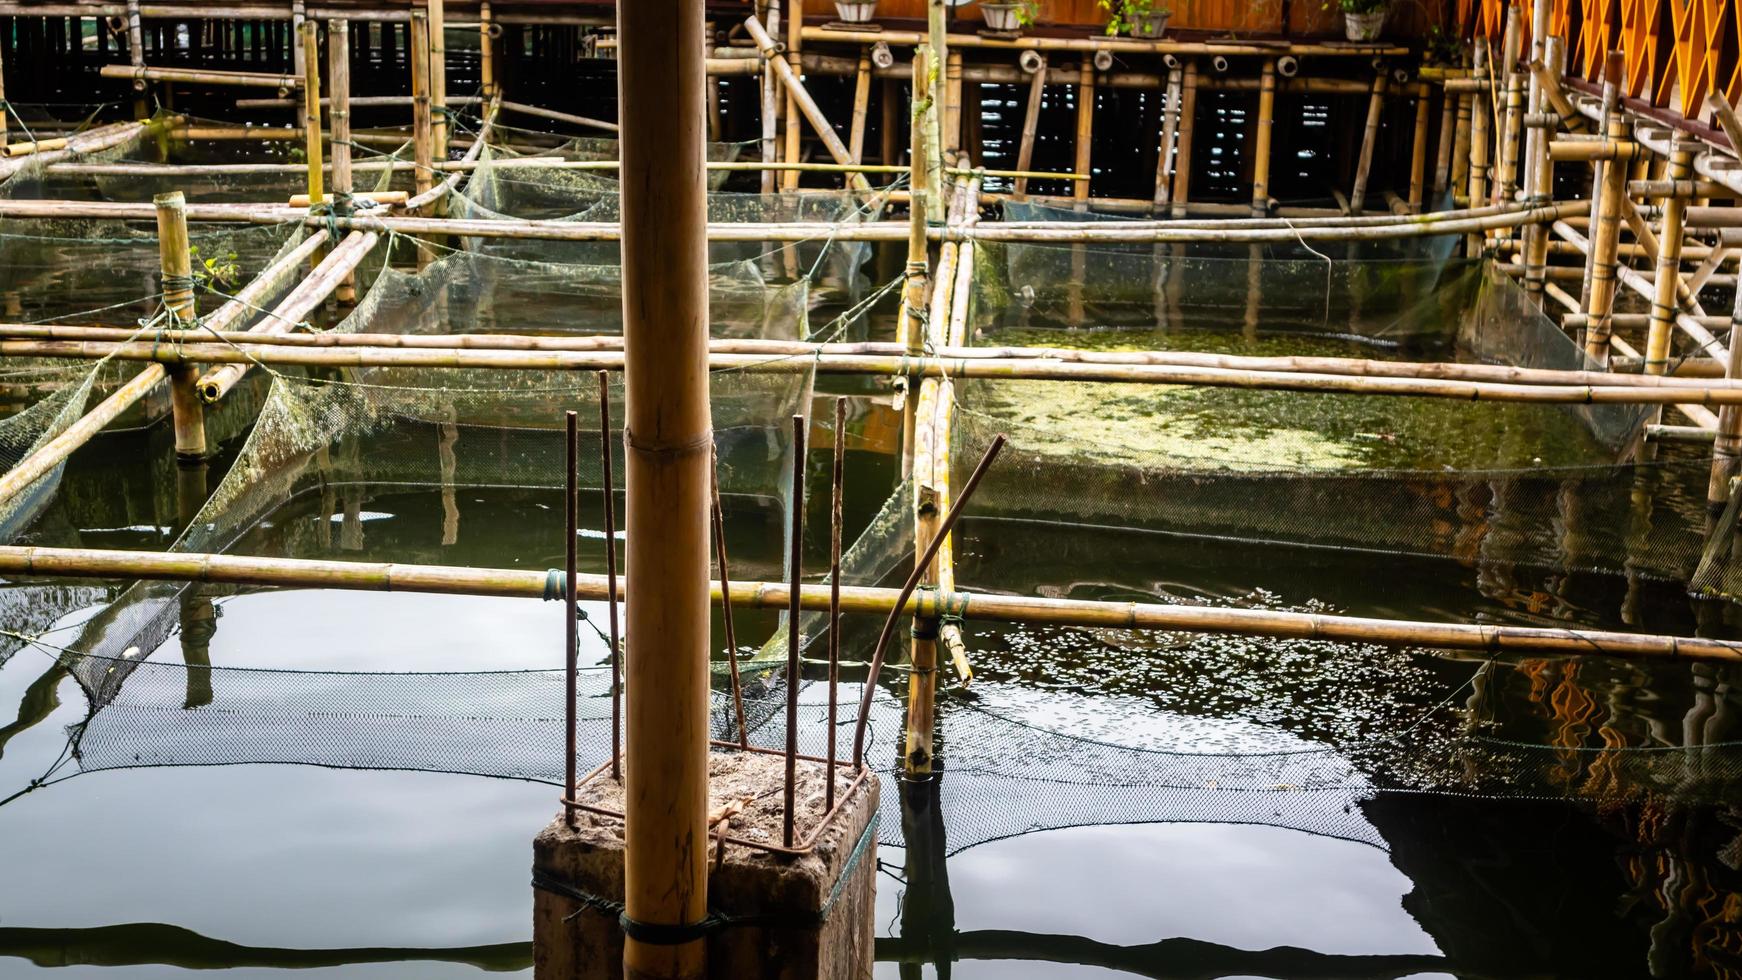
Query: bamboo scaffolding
[[802, 98], [1418, 149], [555, 116], [37, 562]]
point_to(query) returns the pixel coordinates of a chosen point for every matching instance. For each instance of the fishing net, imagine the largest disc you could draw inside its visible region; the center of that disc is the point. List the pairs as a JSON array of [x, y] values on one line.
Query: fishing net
[[557, 187]]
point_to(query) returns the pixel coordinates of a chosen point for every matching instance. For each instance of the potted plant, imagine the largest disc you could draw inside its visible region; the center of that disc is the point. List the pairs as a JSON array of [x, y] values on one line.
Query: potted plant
[[1138, 18], [1363, 20], [1008, 16], [856, 11]]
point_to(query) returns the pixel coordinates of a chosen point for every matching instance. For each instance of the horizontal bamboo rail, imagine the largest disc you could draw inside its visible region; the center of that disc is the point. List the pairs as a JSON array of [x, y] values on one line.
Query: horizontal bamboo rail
[[1627, 389], [1115, 45], [834, 357], [245, 79], [18, 562]]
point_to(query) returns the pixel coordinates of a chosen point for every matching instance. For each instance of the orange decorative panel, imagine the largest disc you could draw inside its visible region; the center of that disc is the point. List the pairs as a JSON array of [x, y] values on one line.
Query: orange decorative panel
[[1696, 55], [1640, 23], [1596, 38]]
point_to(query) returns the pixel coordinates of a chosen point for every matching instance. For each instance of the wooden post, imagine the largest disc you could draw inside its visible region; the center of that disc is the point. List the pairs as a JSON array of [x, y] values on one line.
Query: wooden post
[[1085, 131], [667, 435], [1369, 138], [1606, 235], [438, 76], [861, 108], [1418, 149], [1030, 126], [1182, 160], [794, 60], [1169, 134], [311, 111], [298, 51], [1480, 144], [1669, 260], [339, 117], [422, 136], [1261, 138], [487, 50], [176, 263]]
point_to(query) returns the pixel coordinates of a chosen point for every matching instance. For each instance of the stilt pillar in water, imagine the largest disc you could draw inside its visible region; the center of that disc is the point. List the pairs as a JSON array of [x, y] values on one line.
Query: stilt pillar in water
[[1369, 137], [1182, 158], [1261, 139], [815, 913], [176, 262], [1606, 235], [1669, 259]]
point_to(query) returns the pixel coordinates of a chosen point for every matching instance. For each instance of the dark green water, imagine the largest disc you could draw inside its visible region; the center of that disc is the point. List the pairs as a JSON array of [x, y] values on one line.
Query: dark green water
[[254, 869]]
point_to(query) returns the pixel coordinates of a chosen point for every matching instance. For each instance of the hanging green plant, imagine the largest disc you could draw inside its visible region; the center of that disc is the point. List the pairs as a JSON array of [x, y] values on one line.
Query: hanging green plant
[[1138, 18]]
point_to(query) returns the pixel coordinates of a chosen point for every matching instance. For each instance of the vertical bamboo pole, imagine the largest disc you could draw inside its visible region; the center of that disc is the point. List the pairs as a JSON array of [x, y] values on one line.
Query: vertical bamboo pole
[[953, 105], [1728, 446], [1030, 126], [339, 116], [136, 58], [937, 29], [1513, 125], [298, 52], [1536, 138], [771, 104], [438, 76], [422, 138], [311, 112], [911, 328], [1459, 178], [1669, 261], [1169, 134], [1479, 145], [1369, 139], [1261, 138], [487, 50], [1606, 235], [1182, 158], [176, 263], [861, 109], [889, 102], [1599, 178], [794, 45], [1540, 183], [1085, 131], [661, 78], [1418, 149], [1446, 140]]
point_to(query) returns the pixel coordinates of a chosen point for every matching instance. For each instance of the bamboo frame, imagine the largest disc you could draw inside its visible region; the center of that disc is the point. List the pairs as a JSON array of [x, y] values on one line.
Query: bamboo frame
[[1030, 127], [799, 96], [1085, 130], [1261, 139], [1480, 144], [1666, 300], [422, 122], [1418, 148]]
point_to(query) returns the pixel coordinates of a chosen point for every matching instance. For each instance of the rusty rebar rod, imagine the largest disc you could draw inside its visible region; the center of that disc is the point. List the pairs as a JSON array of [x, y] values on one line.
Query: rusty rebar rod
[[571, 606], [611, 574], [836, 482], [906, 593], [792, 614], [719, 522]]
